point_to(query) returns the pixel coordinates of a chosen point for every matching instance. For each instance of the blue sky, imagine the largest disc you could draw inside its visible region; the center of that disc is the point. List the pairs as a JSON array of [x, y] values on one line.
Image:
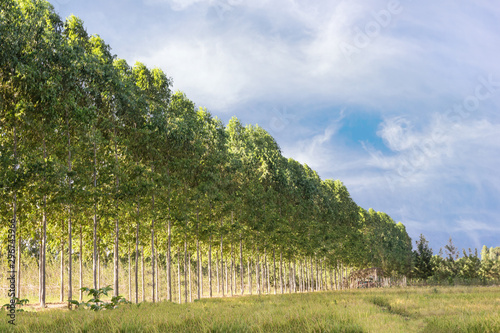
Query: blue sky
[[398, 99]]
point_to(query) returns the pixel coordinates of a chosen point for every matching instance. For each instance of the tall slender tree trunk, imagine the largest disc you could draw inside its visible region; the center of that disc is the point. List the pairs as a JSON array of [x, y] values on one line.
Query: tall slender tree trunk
[[225, 268], [268, 278], [40, 264], [81, 263], [94, 235], [142, 275], [341, 276], [311, 275], [250, 275], [281, 271], [221, 258], [129, 274], [274, 270], [331, 278], [169, 260], [153, 256], [70, 240], [17, 225], [241, 266], [190, 286], [257, 272], [306, 276], [321, 275], [179, 272], [17, 230], [232, 269], [300, 275], [294, 276], [317, 273], [116, 254], [210, 265], [98, 263], [43, 277], [290, 276], [265, 287], [199, 273], [158, 278], [185, 270], [137, 258], [217, 270], [62, 269]]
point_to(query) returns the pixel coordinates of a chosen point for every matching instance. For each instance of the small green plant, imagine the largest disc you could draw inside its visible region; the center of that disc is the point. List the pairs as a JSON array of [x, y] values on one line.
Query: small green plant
[[96, 303], [19, 302]]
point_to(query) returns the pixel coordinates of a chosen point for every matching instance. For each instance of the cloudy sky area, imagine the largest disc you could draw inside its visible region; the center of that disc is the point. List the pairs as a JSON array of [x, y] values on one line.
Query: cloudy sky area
[[398, 99]]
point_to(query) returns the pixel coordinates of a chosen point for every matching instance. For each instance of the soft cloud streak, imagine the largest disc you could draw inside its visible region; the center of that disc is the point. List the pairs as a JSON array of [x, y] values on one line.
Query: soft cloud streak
[[250, 58]]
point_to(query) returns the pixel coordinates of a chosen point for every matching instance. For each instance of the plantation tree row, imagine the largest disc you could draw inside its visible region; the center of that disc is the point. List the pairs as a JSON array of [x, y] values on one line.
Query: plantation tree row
[[100, 158]]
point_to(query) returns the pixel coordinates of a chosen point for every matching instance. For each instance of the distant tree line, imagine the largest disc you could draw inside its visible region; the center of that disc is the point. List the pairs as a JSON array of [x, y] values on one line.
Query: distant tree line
[[452, 268]]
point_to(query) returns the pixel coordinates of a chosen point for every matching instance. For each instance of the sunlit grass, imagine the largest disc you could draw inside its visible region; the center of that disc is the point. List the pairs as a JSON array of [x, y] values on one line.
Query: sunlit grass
[[441, 309]]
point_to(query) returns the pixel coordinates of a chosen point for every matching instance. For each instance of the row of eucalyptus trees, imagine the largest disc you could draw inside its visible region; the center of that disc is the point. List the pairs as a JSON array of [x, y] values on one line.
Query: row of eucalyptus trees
[[101, 158]]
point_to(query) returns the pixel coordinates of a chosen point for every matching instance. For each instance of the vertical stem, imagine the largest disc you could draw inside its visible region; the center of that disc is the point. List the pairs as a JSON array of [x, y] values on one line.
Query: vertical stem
[[317, 273], [274, 270], [221, 258], [190, 287], [301, 276], [306, 276], [158, 278], [241, 266], [281, 271], [250, 275], [185, 270], [227, 281], [217, 270], [169, 261], [268, 278], [129, 274], [142, 274], [265, 273], [294, 276], [18, 229], [153, 256], [62, 269], [257, 273], [70, 243], [232, 269], [137, 258], [81, 263], [179, 272], [210, 265], [341, 276], [44, 239], [200, 276], [117, 229], [98, 264], [311, 276], [290, 276]]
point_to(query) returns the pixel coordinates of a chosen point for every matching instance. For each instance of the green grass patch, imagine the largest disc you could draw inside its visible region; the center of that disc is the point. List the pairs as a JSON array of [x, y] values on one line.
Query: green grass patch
[[445, 309]]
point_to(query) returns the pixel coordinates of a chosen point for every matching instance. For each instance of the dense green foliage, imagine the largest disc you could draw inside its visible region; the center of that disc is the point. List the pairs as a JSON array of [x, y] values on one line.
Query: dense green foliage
[[94, 148], [468, 268]]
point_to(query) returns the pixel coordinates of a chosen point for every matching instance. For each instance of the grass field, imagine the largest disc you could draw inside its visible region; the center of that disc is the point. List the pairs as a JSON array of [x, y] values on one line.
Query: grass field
[[442, 309]]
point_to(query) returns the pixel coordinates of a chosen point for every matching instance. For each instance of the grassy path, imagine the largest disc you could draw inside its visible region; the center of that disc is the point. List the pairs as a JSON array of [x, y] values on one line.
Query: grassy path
[[453, 309]]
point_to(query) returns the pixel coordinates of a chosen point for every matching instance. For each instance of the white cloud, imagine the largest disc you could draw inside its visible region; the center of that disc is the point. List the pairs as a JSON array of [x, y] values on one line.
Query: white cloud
[[246, 57]]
